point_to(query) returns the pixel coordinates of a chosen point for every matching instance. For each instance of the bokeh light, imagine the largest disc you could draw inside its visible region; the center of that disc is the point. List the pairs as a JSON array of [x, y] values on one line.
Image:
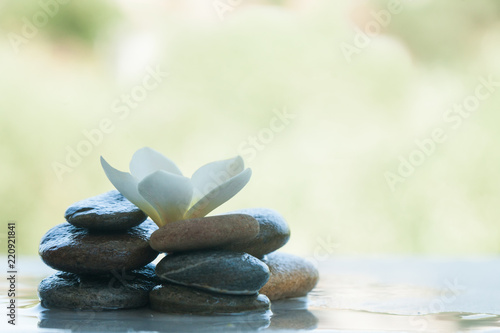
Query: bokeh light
[[325, 100]]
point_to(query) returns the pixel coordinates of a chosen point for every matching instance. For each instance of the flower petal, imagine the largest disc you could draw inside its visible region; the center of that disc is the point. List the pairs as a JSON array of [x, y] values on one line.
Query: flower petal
[[146, 161], [211, 175], [127, 185], [219, 195], [169, 194]]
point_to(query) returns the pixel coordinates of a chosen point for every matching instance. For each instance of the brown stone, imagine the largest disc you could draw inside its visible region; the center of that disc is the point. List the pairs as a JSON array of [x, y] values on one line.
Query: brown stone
[[291, 276], [80, 251], [204, 233]]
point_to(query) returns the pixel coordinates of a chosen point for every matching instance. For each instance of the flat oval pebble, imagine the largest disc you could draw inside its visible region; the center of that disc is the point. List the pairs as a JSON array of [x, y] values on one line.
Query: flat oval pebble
[[220, 271], [170, 298], [70, 291], [107, 211], [291, 276], [78, 250], [204, 233], [273, 233]]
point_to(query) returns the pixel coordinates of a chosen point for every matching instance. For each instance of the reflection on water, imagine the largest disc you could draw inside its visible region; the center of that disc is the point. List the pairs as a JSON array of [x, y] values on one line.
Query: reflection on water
[[386, 322], [147, 320], [472, 322], [287, 315], [351, 296], [291, 314]]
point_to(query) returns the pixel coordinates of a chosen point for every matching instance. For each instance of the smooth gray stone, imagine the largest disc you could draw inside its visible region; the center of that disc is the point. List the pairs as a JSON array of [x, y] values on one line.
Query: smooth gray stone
[[224, 272], [81, 251], [125, 290], [107, 211], [170, 298], [273, 232]]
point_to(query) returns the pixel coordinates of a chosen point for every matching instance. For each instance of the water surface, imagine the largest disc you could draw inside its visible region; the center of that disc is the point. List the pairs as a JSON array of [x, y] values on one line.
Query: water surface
[[354, 294]]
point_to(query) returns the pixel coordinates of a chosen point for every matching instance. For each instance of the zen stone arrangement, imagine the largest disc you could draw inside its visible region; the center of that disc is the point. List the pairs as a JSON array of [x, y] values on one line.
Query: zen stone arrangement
[[217, 264], [105, 248]]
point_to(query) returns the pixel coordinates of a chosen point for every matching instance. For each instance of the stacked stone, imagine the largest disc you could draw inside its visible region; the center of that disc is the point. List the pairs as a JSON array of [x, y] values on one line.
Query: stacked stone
[[227, 264], [218, 264], [102, 254]]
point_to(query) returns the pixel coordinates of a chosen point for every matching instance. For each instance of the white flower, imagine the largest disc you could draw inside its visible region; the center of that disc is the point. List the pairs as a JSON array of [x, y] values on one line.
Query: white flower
[[156, 185]]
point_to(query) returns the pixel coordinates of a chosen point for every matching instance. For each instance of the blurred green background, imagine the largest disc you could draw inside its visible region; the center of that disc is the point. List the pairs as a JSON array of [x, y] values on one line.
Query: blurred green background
[[363, 85]]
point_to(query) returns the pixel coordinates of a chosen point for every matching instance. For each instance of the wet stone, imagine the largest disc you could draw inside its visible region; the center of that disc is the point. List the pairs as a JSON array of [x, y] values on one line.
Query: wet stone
[[291, 276], [204, 233], [107, 211], [170, 298], [273, 233], [219, 271], [125, 290], [81, 251]]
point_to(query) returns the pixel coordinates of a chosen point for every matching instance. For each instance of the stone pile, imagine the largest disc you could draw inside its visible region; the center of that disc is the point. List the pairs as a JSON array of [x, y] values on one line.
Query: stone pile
[[102, 253], [218, 264]]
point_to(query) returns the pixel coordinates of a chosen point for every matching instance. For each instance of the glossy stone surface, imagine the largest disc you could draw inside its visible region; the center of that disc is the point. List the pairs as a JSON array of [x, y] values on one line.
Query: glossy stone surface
[[107, 211], [78, 250], [291, 276], [204, 233], [70, 291], [170, 298], [273, 232], [219, 271]]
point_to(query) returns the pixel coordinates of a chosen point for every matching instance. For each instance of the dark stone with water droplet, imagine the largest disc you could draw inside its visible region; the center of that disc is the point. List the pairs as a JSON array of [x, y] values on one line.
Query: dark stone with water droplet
[[81, 251], [219, 271], [107, 211], [172, 298], [123, 290]]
